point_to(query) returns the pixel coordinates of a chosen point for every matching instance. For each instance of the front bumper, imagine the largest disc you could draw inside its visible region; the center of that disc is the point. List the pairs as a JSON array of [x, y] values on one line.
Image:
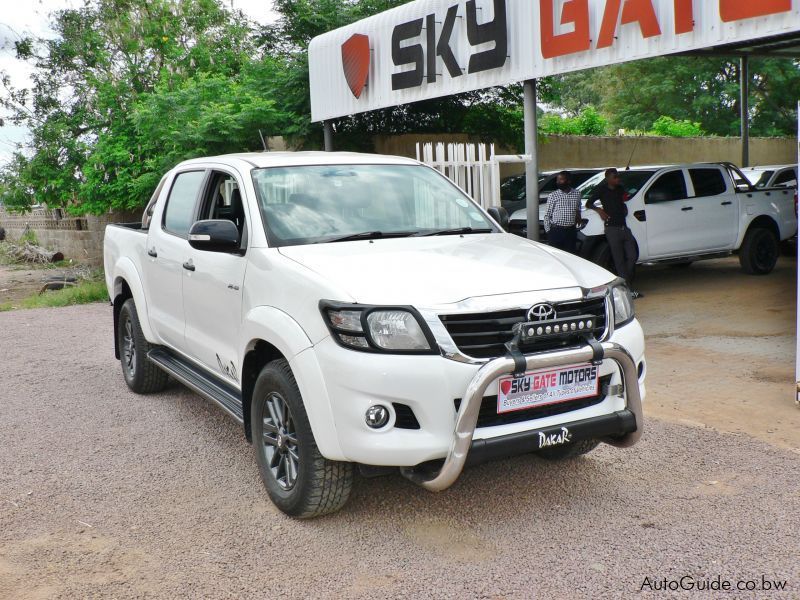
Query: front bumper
[[467, 417], [338, 385]]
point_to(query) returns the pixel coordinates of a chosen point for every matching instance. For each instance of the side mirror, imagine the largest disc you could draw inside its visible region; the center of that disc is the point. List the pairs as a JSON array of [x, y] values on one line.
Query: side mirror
[[215, 235], [499, 214]]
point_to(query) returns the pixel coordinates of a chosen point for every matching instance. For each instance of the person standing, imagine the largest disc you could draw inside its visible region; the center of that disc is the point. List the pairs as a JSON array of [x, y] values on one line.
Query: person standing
[[561, 217], [612, 197]]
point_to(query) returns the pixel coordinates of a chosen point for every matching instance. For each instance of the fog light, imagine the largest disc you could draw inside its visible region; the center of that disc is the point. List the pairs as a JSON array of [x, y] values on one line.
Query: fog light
[[377, 416]]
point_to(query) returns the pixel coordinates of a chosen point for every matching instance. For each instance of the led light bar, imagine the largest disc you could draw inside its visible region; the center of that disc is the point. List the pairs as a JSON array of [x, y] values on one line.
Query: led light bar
[[557, 328]]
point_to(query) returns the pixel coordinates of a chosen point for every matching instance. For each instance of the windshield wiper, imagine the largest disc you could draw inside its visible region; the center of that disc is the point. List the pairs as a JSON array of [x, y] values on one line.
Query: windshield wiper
[[455, 231], [367, 235]]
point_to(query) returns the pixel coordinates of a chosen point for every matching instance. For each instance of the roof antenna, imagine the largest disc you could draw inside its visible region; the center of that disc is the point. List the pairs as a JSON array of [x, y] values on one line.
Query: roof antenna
[[635, 145], [263, 141]]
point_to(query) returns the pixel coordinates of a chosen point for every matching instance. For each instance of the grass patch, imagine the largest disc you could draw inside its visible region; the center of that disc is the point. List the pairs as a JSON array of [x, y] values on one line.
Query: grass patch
[[84, 292]]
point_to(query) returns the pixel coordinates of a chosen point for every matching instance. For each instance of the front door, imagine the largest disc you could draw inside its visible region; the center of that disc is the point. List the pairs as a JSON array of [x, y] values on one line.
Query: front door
[[167, 250], [212, 292], [670, 231], [715, 214]]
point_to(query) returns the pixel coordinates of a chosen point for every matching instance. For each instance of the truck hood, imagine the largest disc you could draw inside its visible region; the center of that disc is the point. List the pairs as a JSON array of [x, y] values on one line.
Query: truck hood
[[428, 271]]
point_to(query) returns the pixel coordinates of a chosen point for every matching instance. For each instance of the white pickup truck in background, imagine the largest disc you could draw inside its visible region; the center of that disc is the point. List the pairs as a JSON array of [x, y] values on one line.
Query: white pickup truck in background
[[350, 309], [684, 213]]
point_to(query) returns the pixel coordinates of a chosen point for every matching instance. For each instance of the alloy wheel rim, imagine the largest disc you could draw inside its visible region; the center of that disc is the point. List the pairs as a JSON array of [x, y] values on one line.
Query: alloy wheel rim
[[281, 446], [129, 348]]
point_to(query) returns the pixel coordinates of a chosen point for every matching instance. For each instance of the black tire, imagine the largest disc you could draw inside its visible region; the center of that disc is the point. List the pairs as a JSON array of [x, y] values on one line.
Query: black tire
[[141, 375], [760, 251], [299, 480], [568, 451]]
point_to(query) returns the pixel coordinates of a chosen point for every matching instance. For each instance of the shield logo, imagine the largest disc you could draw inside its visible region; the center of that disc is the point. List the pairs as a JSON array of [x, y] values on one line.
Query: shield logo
[[355, 62]]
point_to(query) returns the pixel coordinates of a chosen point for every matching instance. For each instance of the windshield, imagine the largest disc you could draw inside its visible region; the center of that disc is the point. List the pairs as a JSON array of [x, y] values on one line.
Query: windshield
[[759, 179], [632, 181], [313, 204]]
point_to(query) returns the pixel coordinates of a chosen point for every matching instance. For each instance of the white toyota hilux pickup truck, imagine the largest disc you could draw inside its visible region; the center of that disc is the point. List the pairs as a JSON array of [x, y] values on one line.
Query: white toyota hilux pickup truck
[[684, 213], [352, 310]]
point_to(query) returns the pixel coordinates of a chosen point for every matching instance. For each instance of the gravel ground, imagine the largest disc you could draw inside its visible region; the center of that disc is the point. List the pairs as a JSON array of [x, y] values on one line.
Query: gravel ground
[[107, 494]]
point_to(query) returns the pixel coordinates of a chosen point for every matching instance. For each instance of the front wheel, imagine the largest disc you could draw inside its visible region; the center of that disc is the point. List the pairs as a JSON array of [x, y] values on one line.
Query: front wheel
[[759, 252], [299, 480], [141, 375]]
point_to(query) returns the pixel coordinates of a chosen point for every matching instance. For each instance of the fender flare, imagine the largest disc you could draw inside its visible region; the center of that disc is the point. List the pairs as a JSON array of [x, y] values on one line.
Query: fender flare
[[276, 327], [279, 329], [124, 269], [765, 221]]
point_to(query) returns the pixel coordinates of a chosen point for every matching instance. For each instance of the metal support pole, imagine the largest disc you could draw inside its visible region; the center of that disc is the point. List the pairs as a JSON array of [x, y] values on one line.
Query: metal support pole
[[532, 165], [744, 106], [327, 133]]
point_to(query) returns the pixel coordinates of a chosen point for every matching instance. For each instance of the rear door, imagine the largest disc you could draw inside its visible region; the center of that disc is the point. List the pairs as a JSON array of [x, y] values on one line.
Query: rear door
[[715, 213], [212, 292], [167, 250], [670, 231]]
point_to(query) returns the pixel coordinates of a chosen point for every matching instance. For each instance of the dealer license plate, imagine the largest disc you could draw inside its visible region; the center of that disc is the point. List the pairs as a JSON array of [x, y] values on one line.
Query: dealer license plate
[[540, 388]]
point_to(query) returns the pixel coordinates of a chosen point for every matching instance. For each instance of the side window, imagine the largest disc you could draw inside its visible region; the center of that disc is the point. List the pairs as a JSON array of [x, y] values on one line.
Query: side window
[[707, 182], [181, 202], [787, 177], [223, 200], [670, 186]]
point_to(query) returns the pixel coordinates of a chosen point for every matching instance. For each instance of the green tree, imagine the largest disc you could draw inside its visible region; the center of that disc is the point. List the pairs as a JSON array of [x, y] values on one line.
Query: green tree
[[702, 90], [587, 122], [669, 127], [97, 84]]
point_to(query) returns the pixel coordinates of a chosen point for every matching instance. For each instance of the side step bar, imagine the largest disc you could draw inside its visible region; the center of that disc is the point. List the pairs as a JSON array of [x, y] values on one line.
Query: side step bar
[[209, 387]]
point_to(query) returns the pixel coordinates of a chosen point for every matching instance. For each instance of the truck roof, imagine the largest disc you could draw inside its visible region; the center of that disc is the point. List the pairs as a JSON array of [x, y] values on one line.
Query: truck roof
[[288, 159]]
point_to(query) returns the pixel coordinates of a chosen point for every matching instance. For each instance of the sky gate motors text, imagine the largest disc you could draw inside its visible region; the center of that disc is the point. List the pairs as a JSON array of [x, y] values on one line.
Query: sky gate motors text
[[565, 27]]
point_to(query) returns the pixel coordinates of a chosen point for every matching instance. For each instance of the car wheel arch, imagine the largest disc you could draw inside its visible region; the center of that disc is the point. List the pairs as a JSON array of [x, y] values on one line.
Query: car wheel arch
[[763, 222], [259, 354], [122, 291]]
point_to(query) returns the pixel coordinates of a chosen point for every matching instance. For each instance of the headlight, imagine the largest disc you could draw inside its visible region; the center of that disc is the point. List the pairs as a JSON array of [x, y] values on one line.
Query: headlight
[[623, 305], [377, 328], [396, 330]]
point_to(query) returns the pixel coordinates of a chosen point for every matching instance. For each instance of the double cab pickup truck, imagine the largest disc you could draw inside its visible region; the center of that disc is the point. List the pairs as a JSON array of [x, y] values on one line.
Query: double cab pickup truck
[[359, 313], [684, 213]]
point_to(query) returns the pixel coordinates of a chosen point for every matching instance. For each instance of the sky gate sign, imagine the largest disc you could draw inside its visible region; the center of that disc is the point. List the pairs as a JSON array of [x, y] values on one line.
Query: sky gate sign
[[431, 48]]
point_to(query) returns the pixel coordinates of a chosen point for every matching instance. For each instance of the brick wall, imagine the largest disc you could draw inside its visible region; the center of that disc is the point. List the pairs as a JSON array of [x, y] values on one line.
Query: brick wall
[[78, 238]]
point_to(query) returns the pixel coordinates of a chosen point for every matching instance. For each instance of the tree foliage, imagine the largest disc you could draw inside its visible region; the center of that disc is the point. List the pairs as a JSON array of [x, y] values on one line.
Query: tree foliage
[[703, 91], [126, 89], [587, 122]]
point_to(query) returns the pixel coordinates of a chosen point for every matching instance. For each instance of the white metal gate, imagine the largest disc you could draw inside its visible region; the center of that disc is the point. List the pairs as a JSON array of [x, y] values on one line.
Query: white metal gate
[[475, 168]]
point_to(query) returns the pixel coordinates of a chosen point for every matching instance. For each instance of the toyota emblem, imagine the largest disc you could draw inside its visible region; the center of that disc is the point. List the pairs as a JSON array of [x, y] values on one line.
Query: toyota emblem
[[541, 312]]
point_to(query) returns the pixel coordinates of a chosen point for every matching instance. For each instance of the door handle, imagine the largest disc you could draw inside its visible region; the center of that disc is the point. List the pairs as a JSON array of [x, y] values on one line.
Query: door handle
[[152, 252], [727, 203], [685, 208], [188, 265]]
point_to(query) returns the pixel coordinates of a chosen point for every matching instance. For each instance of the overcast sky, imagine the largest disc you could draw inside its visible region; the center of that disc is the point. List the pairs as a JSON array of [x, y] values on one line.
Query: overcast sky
[[30, 17]]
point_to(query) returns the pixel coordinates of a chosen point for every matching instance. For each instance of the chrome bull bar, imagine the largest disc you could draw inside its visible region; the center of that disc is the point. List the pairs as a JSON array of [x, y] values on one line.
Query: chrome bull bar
[[467, 417]]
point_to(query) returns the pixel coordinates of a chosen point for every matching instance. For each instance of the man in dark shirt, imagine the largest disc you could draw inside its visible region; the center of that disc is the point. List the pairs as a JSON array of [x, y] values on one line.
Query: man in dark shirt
[[612, 197]]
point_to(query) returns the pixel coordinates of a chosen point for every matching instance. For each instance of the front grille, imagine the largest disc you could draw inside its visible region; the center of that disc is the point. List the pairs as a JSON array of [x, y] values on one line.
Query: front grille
[[483, 335], [488, 417]]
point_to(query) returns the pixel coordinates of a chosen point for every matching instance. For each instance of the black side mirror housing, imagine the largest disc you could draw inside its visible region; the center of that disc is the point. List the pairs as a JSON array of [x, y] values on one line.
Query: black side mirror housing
[[215, 235], [499, 214]]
